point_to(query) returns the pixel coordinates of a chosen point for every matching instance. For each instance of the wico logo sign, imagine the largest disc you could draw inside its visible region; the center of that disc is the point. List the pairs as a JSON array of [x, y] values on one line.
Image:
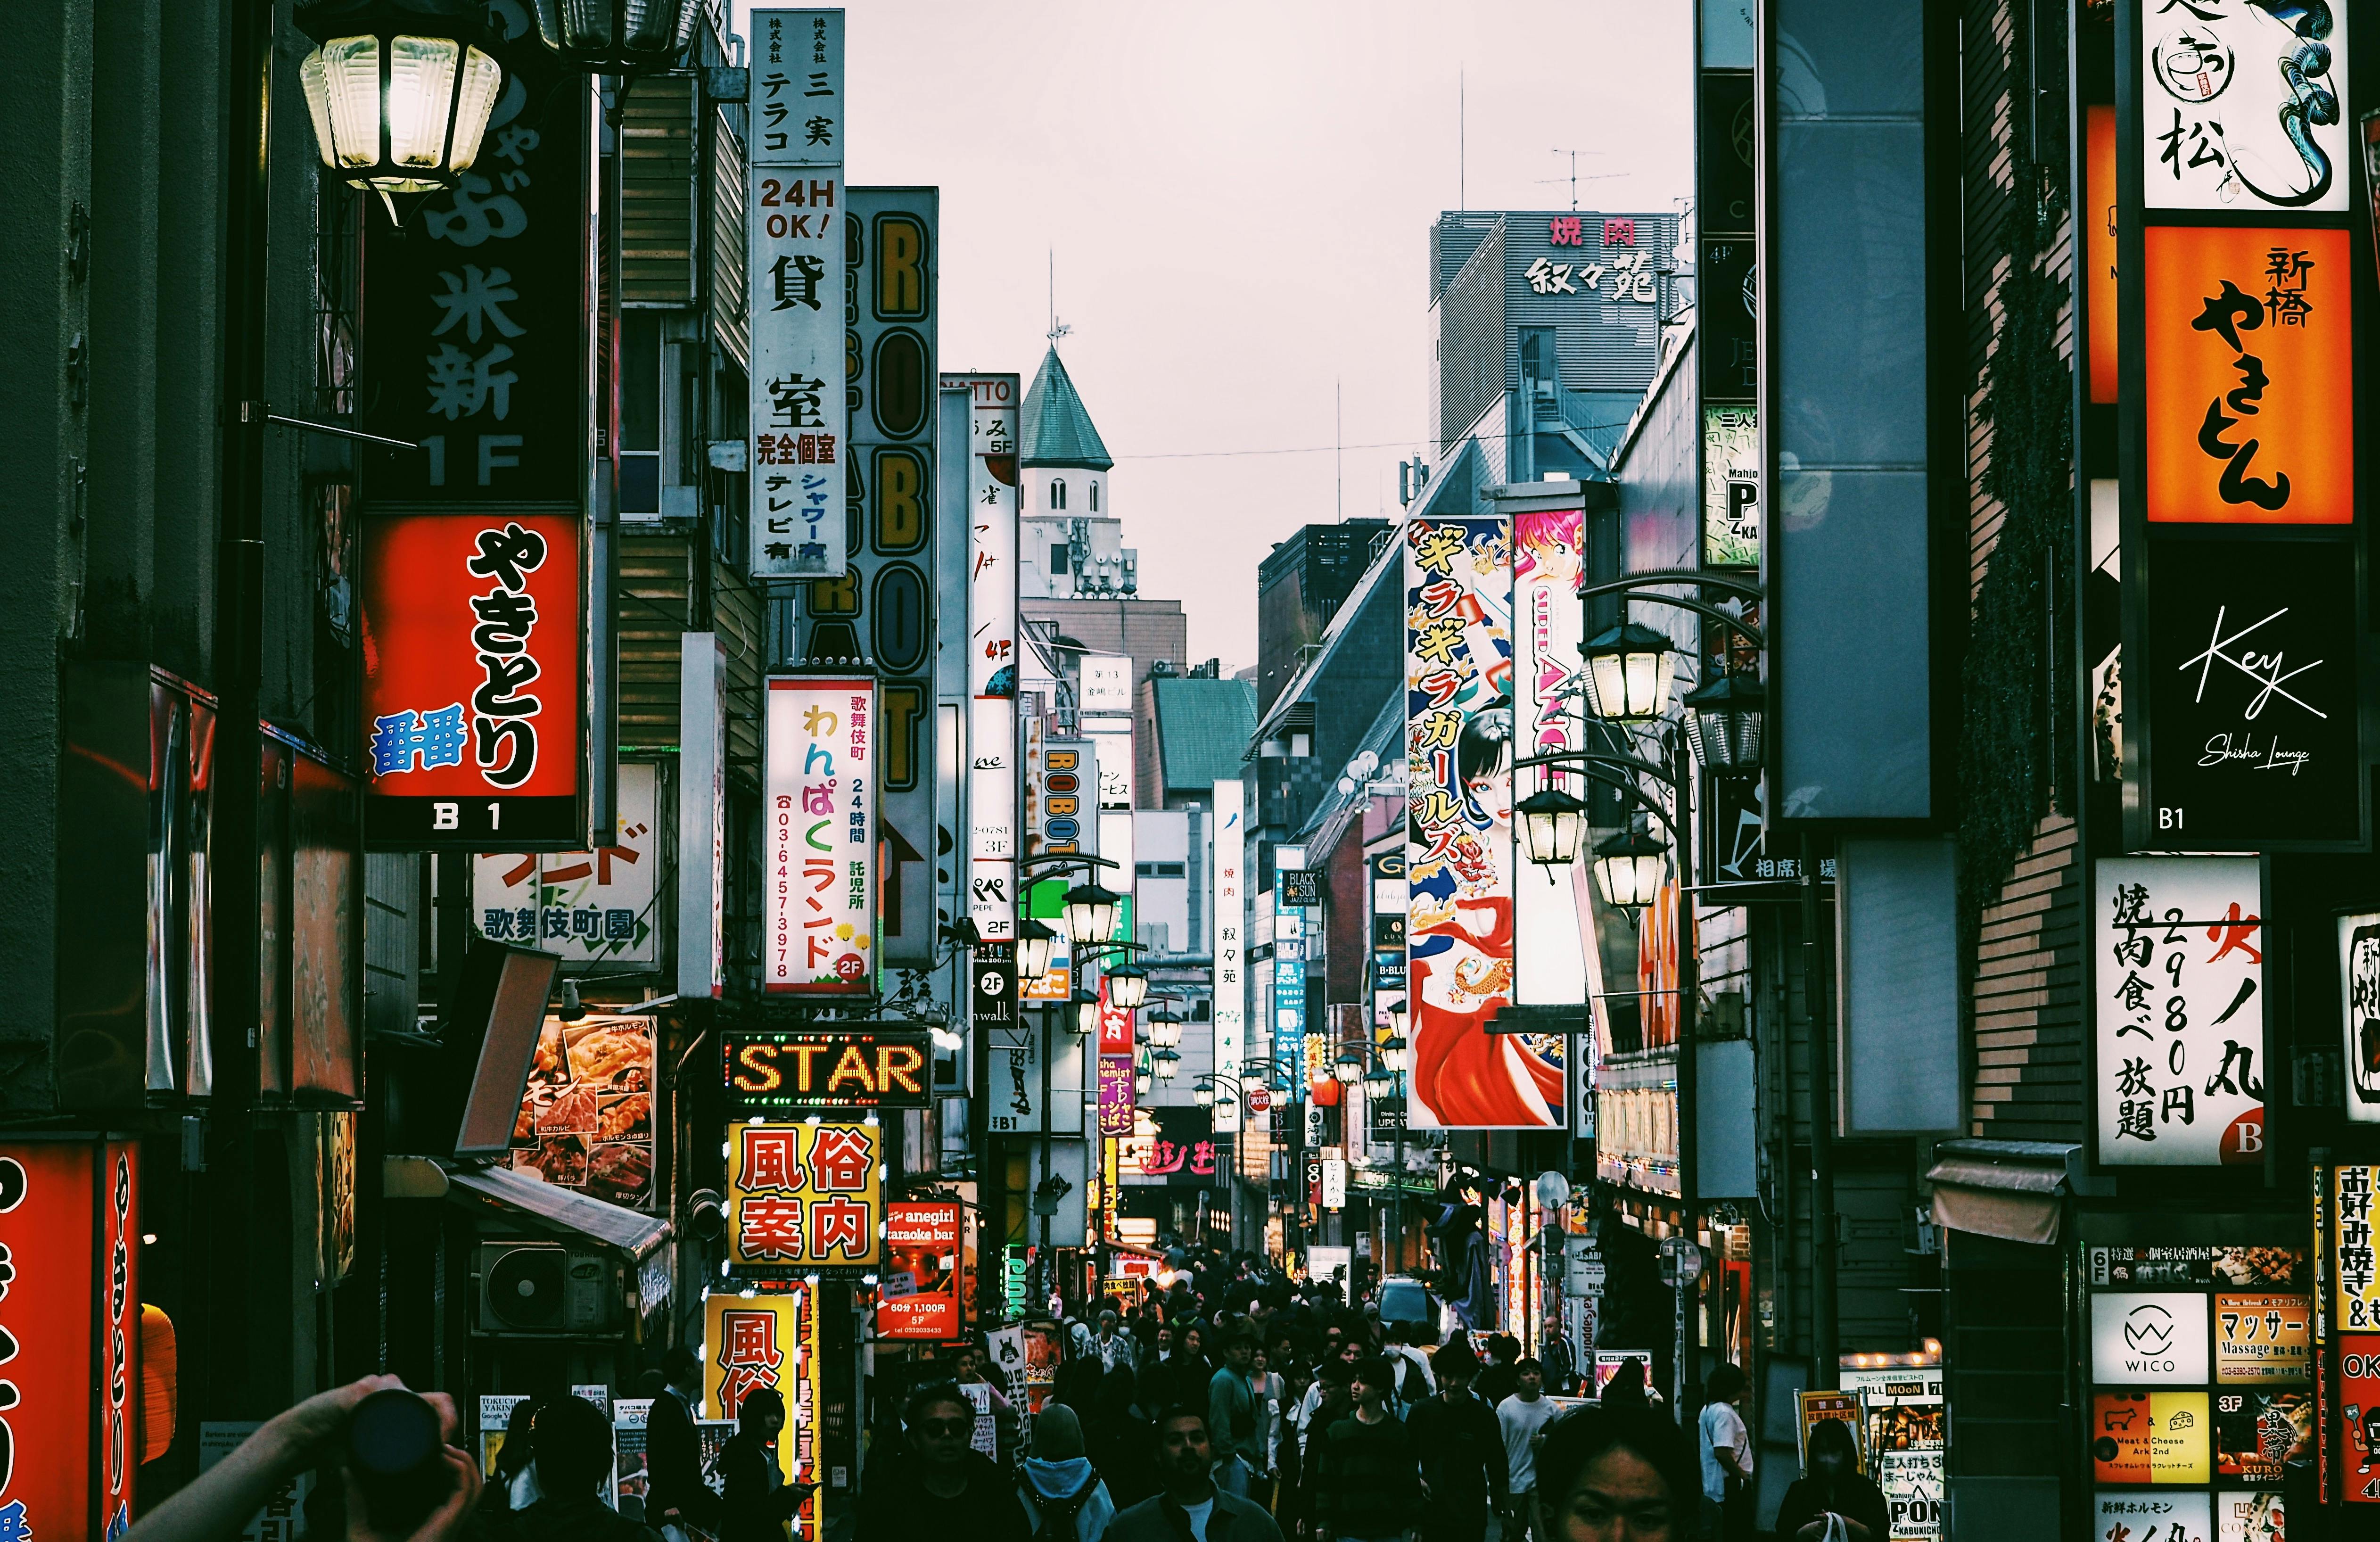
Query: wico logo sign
[[2152, 1338]]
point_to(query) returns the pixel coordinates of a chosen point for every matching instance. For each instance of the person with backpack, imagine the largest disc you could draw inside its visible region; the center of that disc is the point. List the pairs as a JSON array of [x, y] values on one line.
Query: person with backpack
[[1063, 1497]]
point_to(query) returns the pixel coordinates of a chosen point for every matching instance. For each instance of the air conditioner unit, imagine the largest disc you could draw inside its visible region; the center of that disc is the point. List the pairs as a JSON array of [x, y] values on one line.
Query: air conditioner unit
[[533, 1289]]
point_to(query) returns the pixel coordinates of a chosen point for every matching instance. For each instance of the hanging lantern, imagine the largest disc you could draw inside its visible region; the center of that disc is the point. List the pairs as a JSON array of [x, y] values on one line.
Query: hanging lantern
[[1349, 1066], [1392, 1048], [1628, 674], [1087, 1014], [1128, 987], [617, 37], [1168, 1062], [1726, 716], [1552, 820], [1202, 1094], [1629, 868], [1091, 914], [1034, 945], [400, 91]]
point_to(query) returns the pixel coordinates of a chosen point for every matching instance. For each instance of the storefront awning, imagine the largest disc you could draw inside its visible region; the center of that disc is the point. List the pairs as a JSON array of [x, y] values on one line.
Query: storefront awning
[[614, 1226], [2012, 1189]]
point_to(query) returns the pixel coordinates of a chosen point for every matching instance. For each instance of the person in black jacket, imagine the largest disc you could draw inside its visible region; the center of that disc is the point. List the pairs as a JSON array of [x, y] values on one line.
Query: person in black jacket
[[1367, 1481], [1833, 1486], [950, 1492], [1462, 1463], [757, 1501], [674, 1489], [573, 1441]]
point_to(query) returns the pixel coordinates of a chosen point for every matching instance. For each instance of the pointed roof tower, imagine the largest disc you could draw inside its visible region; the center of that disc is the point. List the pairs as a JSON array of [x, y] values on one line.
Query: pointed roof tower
[[1055, 429]]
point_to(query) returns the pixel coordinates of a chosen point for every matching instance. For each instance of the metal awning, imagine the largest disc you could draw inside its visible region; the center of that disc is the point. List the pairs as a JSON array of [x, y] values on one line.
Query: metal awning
[[615, 1226], [2011, 1189]]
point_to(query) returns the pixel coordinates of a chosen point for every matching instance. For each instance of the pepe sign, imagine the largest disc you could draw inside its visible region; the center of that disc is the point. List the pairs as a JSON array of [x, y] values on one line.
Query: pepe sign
[[853, 1067]]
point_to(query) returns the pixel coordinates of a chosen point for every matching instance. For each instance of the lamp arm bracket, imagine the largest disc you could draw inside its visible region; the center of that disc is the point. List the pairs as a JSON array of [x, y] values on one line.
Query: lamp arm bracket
[[251, 412], [1591, 766], [1741, 590]]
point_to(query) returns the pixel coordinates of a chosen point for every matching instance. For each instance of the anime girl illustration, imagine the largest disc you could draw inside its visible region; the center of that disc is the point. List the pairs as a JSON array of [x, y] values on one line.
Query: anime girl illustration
[[1462, 740]]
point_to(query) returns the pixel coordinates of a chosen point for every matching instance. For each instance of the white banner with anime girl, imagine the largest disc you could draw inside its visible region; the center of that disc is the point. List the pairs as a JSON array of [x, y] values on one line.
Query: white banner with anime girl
[[1552, 926], [1459, 736]]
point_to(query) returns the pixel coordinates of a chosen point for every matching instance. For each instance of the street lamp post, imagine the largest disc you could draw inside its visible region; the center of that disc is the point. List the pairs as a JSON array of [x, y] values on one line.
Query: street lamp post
[[1628, 674], [1393, 1056], [1043, 940]]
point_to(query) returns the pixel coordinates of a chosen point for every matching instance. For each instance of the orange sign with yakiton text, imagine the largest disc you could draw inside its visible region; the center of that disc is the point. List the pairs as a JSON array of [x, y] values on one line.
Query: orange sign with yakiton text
[[2250, 393]]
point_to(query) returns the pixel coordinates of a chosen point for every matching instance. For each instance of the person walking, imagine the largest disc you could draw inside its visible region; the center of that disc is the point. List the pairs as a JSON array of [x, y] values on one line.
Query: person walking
[[1628, 1387], [1501, 1375], [1114, 1348], [1231, 1421], [1190, 1505], [1063, 1498], [1122, 1440], [573, 1441], [1726, 1456], [952, 1491], [1367, 1483], [675, 1494], [757, 1501], [1521, 1418], [1270, 1389], [1833, 1488], [1189, 1372], [1462, 1463]]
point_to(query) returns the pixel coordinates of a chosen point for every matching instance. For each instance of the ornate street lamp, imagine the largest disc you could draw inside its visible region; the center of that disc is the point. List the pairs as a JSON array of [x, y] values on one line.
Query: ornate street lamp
[[1629, 868], [1628, 674], [1140, 1077], [1164, 1028], [617, 37], [1378, 1079], [1087, 1014], [1129, 986], [1091, 914], [1392, 1048], [399, 90], [1034, 945], [1168, 1062], [1552, 820], [1726, 716], [1349, 1067], [1397, 1027], [1204, 1093]]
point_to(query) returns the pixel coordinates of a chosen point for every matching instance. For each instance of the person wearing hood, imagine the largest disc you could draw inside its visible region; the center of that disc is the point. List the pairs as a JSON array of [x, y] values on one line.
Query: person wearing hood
[[951, 1490], [1063, 1499]]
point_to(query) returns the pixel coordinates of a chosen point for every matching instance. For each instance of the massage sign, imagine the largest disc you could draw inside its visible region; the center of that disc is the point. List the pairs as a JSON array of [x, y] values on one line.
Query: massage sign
[[2240, 540]]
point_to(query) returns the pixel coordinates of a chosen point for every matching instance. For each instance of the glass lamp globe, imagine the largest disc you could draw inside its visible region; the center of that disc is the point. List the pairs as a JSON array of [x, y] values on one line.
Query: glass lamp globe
[[399, 91], [617, 37], [1035, 943], [1128, 987], [1629, 868], [1726, 718], [1091, 913], [1552, 822], [1628, 672]]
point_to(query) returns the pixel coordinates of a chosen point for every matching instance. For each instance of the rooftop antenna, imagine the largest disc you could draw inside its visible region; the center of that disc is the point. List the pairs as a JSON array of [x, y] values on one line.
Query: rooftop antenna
[[1338, 443], [1461, 145], [1057, 328], [1573, 180]]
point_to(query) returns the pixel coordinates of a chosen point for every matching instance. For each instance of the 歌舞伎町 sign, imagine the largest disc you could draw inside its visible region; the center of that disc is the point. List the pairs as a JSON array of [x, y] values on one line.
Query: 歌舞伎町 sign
[[832, 1067]]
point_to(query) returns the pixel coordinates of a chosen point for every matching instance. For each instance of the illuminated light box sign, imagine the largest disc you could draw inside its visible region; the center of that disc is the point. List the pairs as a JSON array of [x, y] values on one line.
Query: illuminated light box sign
[[820, 836], [829, 1068], [473, 689], [924, 1282], [2149, 1337], [801, 1198]]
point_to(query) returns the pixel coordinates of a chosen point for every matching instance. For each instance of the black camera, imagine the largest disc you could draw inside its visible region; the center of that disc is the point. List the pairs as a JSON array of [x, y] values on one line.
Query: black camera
[[396, 1454]]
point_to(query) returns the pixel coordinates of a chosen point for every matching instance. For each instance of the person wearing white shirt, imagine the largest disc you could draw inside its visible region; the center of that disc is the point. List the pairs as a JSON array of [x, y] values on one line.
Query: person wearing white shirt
[[1522, 1418], [1727, 1457]]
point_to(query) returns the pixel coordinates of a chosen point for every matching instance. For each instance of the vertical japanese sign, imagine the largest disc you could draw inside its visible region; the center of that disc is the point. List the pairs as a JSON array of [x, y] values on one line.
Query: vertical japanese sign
[[2180, 1016], [586, 905], [1550, 908], [1227, 908], [2352, 1270], [1731, 485], [475, 320], [701, 815], [918, 1295], [53, 1418], [2359, 995], [2250, 404], [120, 1438], [992, 848], [794, 209], [1460, 738], [1115, 1095], [473, 696], [804, 1196], [2242, 105], [819, 840], [882, 607], [756, 1341]]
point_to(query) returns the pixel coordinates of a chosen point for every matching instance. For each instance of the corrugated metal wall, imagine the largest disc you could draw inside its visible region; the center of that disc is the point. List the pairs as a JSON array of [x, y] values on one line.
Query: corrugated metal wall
[[1470, 340], [659, 195]]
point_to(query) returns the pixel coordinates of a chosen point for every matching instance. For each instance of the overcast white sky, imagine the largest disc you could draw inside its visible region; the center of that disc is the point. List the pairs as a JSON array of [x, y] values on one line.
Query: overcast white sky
[[1239, 196]]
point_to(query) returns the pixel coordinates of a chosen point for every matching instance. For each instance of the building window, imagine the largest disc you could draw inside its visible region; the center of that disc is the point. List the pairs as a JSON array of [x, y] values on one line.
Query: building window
[[1095, 497], [1158, 869], [1057, 492], [1057, 557], [640, 413]]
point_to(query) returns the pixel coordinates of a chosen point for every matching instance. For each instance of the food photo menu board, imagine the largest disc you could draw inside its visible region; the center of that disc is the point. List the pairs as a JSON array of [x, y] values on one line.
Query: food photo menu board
[[587, 1118], [2201, 1353]]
